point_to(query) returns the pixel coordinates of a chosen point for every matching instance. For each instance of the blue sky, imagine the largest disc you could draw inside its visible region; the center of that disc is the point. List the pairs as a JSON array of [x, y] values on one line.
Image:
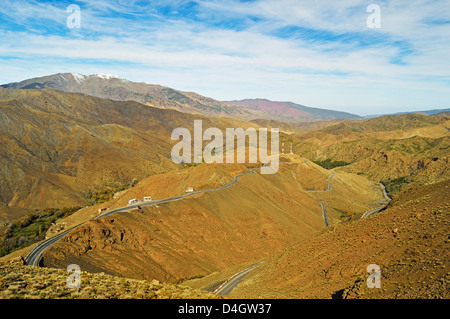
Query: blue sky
[[316, 53]]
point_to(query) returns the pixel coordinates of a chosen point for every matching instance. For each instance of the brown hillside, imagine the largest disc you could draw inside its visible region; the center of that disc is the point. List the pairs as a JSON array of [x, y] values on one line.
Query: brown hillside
[[57, 147], [159, 186], [409, 241], [378, 149], [194, 237]]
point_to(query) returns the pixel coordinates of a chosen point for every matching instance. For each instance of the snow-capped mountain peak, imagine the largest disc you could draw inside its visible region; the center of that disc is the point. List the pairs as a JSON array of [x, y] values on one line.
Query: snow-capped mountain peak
[[106, 76], [79, 77]]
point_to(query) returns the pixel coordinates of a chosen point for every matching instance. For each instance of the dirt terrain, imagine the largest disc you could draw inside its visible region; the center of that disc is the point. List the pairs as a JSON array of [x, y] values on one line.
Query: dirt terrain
[[63, 148], [409, 241], [209, 232], [384, 148], [57, 147]]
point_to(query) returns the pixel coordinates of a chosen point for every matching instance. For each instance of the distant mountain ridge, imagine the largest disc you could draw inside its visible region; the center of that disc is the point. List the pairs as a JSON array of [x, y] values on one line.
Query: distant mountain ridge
[[427, 112], [291, 112], [116, 88]]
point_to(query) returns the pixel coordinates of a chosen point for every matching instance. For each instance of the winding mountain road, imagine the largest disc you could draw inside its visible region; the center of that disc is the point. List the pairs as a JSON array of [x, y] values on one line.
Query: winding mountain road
[[228, 285], [34, 256], [326, 190], [382, 204], [324, 211]]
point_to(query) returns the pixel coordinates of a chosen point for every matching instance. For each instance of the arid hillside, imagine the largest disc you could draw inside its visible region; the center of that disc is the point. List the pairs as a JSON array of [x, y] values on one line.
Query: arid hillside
[[57, 148], [196, 236], [413, 147], [159, 186], [408, 241], [63, 149], [297, 127]]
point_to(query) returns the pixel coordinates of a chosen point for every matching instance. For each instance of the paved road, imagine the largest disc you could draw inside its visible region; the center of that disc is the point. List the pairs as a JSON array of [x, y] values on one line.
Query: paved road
[[384, 193], [325, 218], [327, 190], [382, 204], [34, 256], [233, 281], [324, 211]]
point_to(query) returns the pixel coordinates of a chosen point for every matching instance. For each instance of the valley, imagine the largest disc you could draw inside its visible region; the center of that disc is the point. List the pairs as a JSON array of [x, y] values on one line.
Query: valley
[[230, 157], [409, 241], [311, 227], [176, 233], [63, 146]]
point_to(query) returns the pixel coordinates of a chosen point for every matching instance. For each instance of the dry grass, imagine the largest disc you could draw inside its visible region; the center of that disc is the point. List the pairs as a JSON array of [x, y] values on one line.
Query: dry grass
[[20, 281]]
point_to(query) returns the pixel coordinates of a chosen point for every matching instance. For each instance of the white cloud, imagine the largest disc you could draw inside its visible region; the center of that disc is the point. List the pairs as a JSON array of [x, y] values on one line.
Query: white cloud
[[227, 64]]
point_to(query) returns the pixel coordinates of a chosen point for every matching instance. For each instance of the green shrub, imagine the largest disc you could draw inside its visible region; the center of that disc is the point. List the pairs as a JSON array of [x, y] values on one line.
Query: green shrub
[[328, 164], [106, 194], [31, 228], [394, 185]]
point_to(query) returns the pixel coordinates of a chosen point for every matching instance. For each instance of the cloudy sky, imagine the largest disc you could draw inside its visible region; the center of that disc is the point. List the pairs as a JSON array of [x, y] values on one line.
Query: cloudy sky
[[313, 52]]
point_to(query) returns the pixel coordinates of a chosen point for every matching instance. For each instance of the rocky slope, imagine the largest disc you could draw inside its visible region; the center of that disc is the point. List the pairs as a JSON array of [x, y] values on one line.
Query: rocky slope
[[409, 241], [194, 237], [411, 145], [56, 146]]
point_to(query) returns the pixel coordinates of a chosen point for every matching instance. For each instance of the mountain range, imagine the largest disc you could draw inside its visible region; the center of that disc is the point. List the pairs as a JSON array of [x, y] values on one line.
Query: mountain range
[[116, 88], [427, 112], [58, 145], [290, 112], [63, 149]]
